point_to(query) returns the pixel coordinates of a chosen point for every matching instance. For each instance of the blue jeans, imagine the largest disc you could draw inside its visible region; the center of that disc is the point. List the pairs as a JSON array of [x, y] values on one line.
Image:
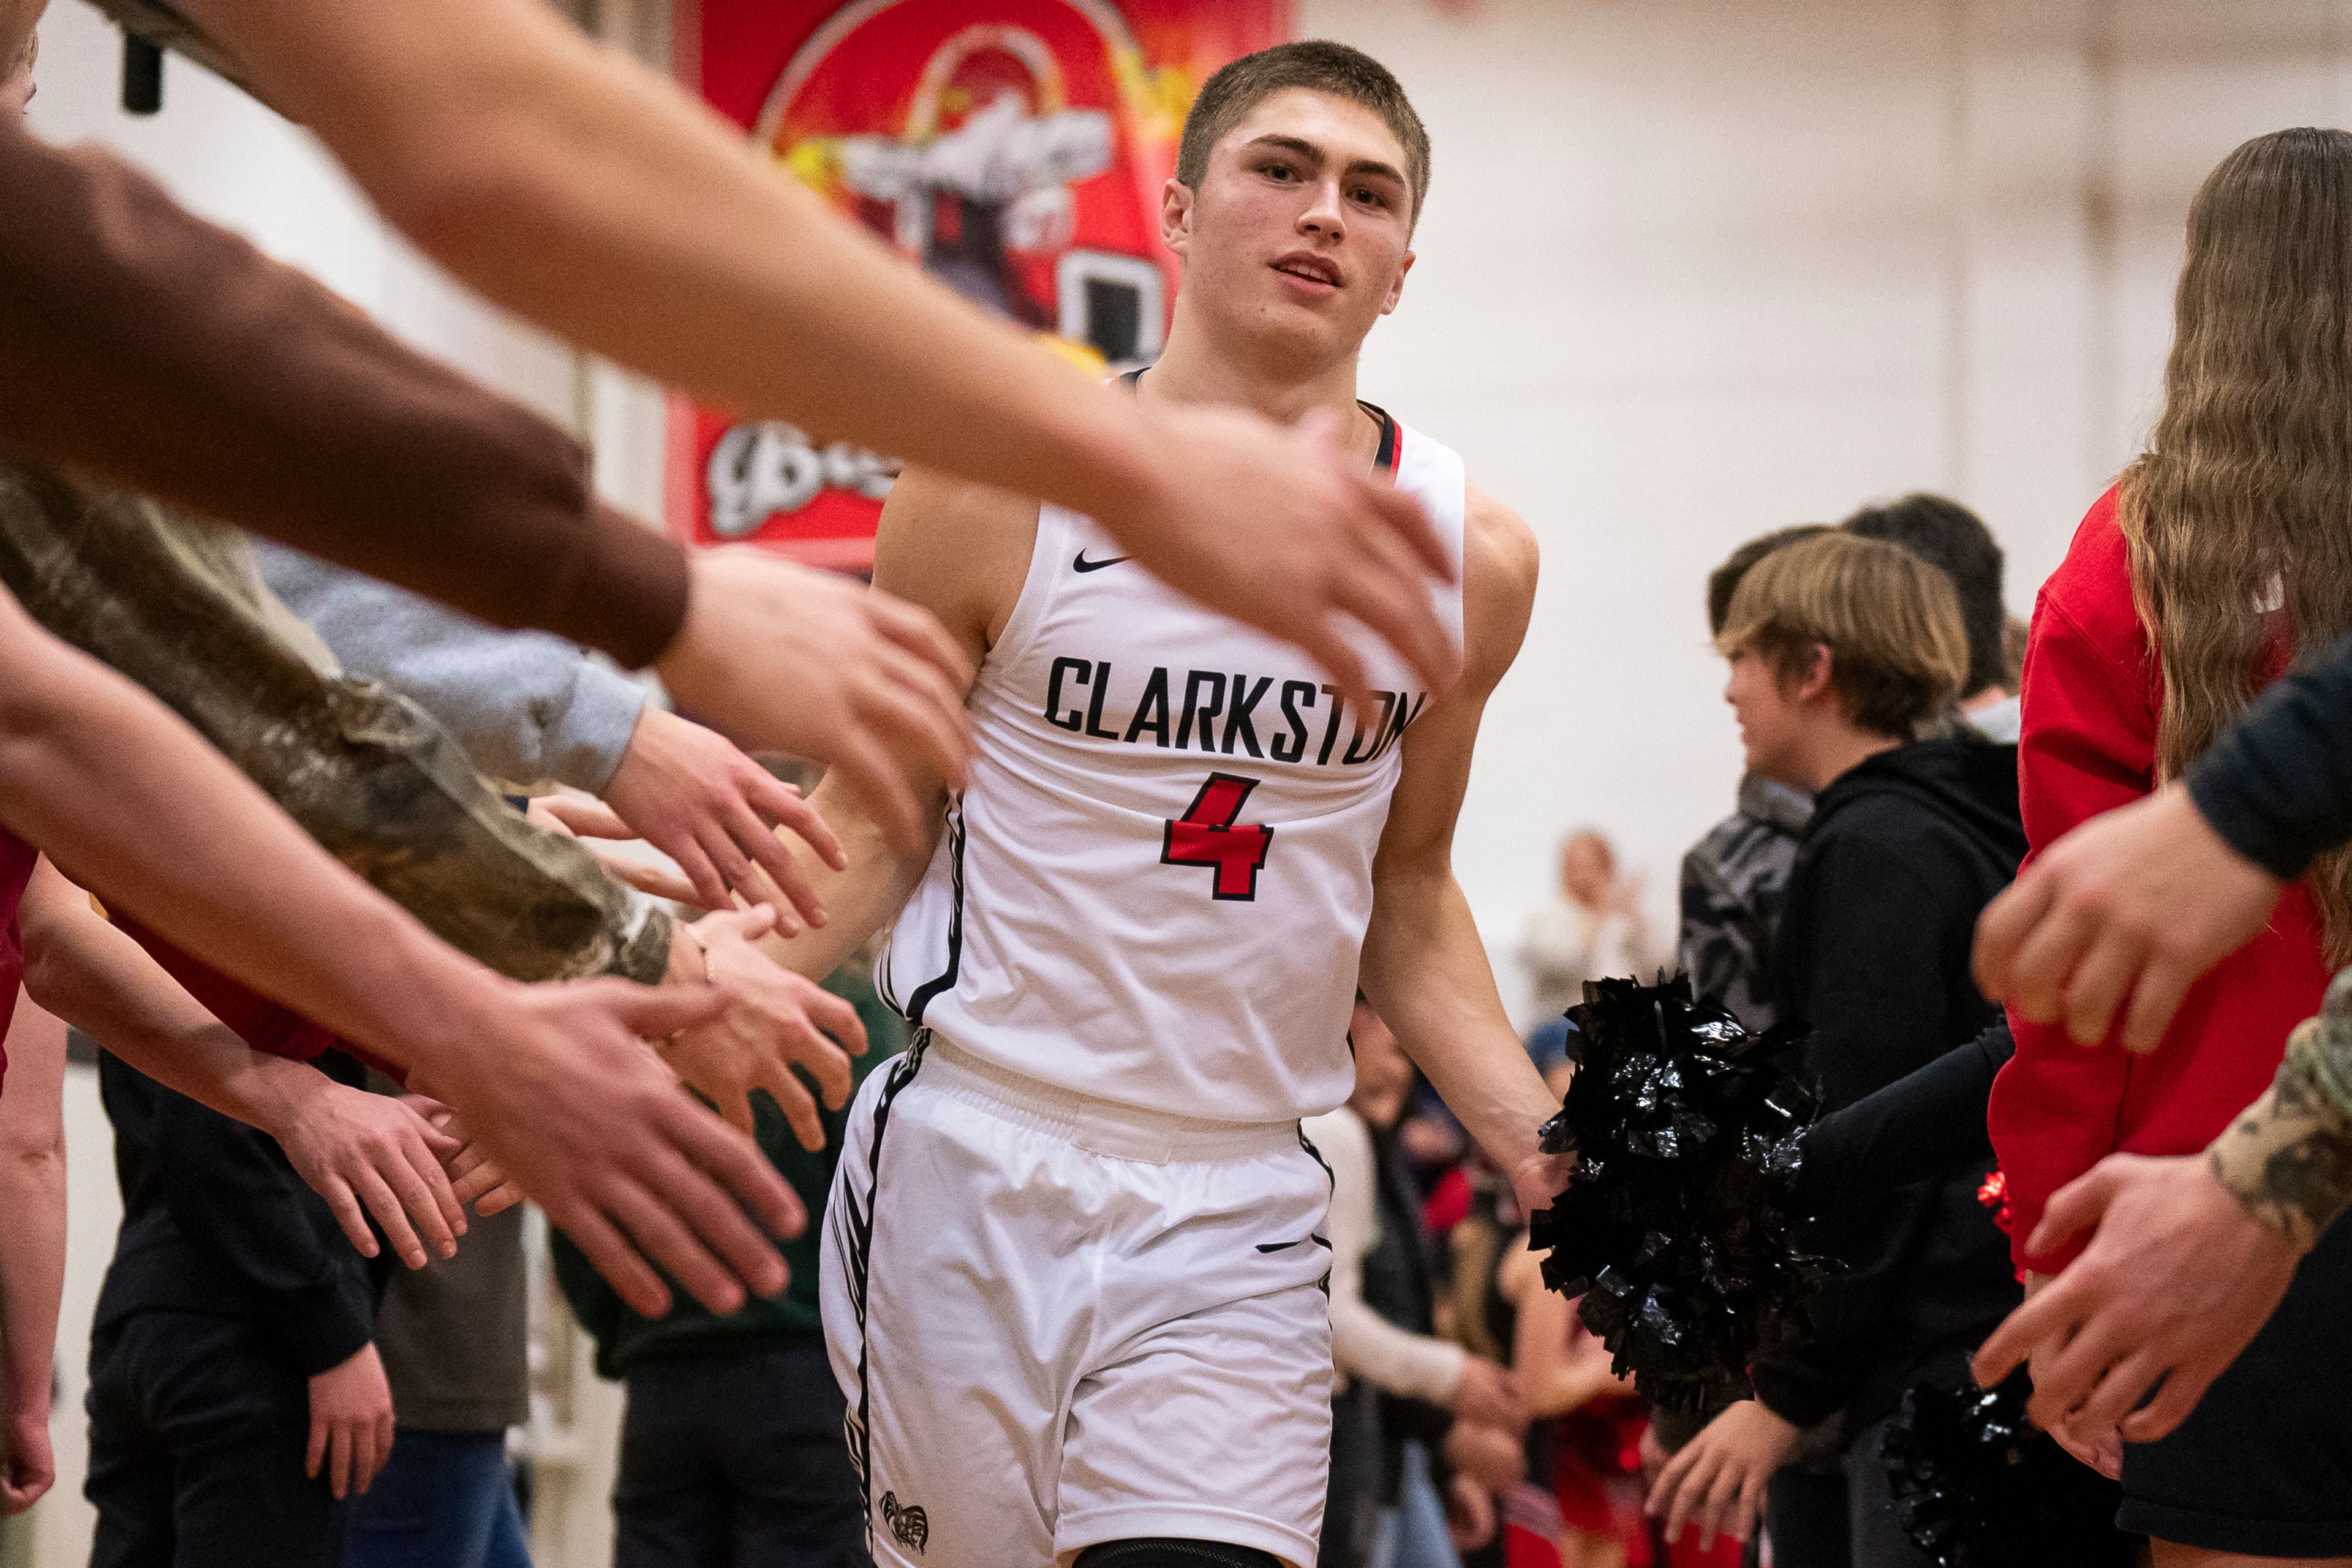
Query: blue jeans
[[1413, 1533], [444, 1501]]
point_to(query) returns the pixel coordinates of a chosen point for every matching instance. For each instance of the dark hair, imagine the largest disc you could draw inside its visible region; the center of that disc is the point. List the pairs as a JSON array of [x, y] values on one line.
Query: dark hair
[[1318, 65], [1947, 534], [1723, 580]]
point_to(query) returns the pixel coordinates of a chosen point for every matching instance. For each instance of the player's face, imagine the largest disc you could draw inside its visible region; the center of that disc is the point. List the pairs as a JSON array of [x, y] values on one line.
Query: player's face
[[1302, 225], [1771, 719]]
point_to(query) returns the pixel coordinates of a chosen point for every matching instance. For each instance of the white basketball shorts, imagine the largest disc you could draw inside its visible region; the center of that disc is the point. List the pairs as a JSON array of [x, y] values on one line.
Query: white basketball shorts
[[1060, 1321]]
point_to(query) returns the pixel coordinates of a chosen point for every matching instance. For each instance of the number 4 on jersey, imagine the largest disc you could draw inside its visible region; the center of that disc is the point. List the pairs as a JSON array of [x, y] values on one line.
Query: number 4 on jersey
[[1206, 835]]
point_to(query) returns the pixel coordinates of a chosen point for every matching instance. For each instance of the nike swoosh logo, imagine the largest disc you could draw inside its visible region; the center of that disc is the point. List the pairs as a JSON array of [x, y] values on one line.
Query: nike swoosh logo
[[1083, 564]]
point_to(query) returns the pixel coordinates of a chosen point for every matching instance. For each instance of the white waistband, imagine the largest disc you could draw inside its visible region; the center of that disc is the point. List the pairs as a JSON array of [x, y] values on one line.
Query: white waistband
[[1098, 1126]]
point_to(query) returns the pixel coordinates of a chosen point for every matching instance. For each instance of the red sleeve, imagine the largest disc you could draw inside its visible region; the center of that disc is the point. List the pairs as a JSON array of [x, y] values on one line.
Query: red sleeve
[[2086, 745], [260, 1023]]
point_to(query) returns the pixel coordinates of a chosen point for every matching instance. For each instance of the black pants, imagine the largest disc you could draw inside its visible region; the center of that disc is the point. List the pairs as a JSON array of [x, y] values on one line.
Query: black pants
[[736, 1462], [1808, 1515], [1352, 1512], [198, 1428]]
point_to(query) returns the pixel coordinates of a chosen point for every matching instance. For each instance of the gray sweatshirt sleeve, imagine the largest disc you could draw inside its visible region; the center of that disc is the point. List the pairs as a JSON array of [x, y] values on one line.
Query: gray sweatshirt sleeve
[[525, 705]]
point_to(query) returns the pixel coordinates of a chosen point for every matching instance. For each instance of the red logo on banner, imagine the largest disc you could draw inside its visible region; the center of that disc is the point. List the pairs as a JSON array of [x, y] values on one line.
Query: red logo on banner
[[1013, 149]]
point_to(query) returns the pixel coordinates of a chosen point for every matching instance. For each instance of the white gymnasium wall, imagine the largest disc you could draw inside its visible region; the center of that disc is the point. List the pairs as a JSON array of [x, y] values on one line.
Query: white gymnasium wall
[[1690, 269]]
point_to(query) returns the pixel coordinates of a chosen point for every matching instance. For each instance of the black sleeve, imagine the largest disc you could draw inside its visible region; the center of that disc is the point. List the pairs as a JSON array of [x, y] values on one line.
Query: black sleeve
[[1872, 985], [1927, 1124], [1875, 999], [2278, 785], [231, 1192], [1416, 1420]]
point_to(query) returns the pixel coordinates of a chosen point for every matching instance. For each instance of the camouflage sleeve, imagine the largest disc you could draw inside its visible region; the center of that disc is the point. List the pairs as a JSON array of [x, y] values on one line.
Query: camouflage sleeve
[[178, 605], [1716, 943], [2288, 1156]]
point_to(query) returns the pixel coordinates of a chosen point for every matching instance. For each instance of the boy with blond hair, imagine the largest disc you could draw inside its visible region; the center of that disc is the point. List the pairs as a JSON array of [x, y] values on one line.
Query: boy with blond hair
[[1845, 652]]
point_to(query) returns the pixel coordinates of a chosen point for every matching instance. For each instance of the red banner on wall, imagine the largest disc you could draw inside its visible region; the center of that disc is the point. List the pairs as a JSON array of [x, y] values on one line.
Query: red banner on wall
[[1014, 149]]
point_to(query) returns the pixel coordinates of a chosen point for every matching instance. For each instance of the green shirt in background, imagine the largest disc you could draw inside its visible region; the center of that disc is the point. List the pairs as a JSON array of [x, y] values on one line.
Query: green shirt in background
[[624, 1339]]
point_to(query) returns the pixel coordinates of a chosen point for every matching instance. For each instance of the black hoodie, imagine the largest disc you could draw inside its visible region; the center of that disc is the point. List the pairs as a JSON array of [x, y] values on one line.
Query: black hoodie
[[1901, 853]]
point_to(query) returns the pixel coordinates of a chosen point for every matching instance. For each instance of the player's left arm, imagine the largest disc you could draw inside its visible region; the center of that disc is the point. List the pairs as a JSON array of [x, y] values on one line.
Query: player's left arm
[[1424, 968]]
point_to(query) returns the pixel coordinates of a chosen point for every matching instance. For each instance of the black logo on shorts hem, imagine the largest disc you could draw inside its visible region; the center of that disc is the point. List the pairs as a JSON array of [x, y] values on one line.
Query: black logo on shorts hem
[[911, 1526], [1083, 564]]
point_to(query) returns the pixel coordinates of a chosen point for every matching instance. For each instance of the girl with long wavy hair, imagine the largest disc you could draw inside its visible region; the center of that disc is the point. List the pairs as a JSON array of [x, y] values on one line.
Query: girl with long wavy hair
[[2222, 556]]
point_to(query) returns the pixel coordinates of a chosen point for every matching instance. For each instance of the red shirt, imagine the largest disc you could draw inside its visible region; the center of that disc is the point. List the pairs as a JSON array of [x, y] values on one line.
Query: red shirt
[[16, 861], [2093, 691]]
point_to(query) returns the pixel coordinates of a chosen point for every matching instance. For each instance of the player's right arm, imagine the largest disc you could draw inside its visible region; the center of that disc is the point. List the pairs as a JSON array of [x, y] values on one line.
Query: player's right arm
[[961, 551]]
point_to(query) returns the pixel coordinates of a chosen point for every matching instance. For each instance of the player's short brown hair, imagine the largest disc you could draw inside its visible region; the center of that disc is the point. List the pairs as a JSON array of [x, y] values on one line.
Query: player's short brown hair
[[1318, 65], [1898, 647]]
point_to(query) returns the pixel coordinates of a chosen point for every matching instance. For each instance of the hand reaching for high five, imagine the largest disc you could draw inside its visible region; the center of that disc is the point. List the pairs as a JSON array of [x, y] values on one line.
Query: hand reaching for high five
[[560, 1089], [475, 1179], [1279, 530], [796, 661], [372, 1154], [775, 1021], [691, 793]]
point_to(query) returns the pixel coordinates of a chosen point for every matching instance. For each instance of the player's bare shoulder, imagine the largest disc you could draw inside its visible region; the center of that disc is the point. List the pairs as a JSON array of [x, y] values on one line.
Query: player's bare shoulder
[[960, 550], [1500, 562]]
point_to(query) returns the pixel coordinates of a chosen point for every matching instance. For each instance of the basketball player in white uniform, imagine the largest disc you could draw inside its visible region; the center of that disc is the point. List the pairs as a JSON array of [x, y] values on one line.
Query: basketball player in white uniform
[[1073, 1257]]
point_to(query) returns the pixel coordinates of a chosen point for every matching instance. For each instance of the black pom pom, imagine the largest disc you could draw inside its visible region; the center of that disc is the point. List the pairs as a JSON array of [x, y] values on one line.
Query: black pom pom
[[1678, 1226], [1977, 1485]]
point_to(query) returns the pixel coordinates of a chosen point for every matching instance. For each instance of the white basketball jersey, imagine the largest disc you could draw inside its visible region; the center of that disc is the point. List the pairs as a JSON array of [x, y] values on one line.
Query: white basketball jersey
[[1154, 887]]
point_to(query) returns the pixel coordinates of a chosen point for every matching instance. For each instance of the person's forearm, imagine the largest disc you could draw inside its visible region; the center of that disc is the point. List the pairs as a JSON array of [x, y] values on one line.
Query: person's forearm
[[100, 981], [175, 604], [33, 1235], [2278, 785], [143, 343], [1425, 972], [131, 804], [600, 202]]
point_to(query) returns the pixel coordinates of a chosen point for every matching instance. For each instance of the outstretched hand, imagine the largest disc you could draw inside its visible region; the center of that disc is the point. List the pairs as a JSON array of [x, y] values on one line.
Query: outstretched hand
[[1279, 530], [796, 661], [475, 1179], [565, 1095], [375, 1154], [2176, 1283], [2124, 913], [578, 817], [775, 1021], [691, 793]]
